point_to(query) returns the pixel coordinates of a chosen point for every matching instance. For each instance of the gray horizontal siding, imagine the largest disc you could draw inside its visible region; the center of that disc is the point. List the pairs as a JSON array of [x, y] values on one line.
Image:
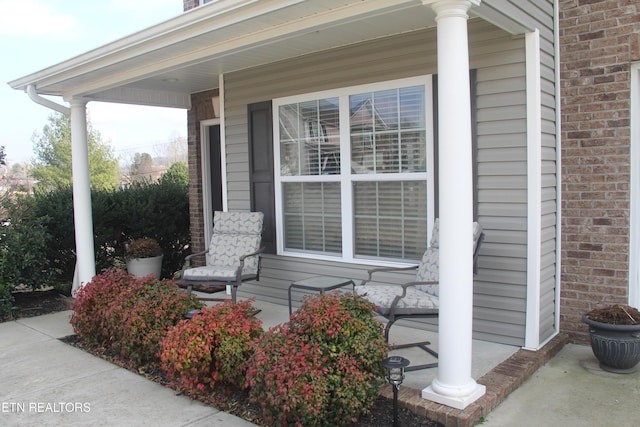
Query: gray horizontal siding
[[500, 287]]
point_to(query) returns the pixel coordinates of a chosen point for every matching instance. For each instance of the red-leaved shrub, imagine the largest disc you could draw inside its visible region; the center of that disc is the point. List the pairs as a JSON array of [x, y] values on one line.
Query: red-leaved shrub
[[129, 314], [323, 367], [90, 311], [212, 347], [140, 317]]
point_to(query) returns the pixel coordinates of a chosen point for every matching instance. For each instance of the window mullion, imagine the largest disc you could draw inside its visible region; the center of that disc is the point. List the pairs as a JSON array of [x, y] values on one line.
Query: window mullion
[[346, 185], [403, 225]]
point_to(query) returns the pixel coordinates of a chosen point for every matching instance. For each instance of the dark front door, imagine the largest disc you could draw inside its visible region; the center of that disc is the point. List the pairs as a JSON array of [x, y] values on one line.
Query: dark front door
[[214, 162]]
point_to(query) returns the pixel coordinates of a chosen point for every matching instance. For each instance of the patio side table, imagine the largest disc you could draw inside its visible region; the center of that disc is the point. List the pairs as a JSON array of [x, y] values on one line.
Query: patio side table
[[320, 284]]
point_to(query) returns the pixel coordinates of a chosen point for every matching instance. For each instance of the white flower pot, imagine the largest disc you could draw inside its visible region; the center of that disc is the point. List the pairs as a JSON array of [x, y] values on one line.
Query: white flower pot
[[142, 267]]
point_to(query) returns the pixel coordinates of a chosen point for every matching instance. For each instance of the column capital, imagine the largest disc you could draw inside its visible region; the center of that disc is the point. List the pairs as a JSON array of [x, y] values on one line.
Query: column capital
[[77, 101], [451, 8]]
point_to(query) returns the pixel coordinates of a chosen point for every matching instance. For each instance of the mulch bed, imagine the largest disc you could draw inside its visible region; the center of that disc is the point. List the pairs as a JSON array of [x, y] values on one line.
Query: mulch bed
[[228, 399], [37, 303]]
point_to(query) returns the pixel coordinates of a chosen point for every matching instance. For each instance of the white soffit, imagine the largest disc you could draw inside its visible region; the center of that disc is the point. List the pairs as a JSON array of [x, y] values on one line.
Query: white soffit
[[164, 64], [167, 62]]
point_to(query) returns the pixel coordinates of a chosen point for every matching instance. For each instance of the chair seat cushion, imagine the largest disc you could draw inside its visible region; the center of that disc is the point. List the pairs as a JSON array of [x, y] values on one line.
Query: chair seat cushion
[[211, 272], [414, 302]]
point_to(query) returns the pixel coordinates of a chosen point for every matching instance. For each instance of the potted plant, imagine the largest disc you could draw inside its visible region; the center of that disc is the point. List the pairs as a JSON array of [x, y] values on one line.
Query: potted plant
[[144, 257], [615, 337]]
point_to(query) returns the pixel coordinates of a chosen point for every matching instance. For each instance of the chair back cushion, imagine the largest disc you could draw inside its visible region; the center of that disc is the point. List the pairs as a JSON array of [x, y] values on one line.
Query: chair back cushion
[[235, 234], [428, 270]]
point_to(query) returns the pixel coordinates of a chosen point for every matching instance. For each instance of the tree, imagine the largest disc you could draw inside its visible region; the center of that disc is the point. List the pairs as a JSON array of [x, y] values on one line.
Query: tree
[[177, 173], [143, 169], [3, 156], [52, 166], [175, 150]]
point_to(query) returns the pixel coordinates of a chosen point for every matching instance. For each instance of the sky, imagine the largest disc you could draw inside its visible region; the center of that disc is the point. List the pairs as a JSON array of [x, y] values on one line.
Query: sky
[[36, 34]]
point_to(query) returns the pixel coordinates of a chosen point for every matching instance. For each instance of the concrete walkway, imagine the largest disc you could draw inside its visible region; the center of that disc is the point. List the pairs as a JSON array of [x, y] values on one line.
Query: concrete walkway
[[571, 391], [44, 382]]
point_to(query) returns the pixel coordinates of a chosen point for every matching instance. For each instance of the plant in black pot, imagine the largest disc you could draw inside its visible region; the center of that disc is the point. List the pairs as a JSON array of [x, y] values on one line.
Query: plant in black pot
[[144, 257], [615, 337]]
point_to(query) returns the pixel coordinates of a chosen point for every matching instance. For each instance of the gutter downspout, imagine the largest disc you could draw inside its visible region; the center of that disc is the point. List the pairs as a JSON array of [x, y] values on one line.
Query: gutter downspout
[[35, 97]]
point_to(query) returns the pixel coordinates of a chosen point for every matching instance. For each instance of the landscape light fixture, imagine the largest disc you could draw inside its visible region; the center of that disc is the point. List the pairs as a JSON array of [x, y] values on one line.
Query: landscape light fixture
[[395, 375]]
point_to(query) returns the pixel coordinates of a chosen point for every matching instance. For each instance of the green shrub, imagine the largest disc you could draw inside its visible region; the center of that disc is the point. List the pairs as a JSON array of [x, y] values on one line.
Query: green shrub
[[140, 317], [212, 347], [23, 245], [54, 211], [23, 257], [323, 367], [159, 210], [6, 301]]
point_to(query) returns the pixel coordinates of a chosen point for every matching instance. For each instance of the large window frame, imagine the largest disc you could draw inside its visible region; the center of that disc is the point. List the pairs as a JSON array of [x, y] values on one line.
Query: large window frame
[[346, 178]]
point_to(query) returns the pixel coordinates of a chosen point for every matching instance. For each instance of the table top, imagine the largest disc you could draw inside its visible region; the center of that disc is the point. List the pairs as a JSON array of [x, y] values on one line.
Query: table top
[[320, 282]]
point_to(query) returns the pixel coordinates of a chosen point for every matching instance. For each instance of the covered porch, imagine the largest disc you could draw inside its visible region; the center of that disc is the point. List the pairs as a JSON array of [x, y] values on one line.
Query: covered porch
[[234, 53]]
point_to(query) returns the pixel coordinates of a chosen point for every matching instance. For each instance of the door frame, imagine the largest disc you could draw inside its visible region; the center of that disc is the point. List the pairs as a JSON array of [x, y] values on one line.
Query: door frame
[[205, 152]]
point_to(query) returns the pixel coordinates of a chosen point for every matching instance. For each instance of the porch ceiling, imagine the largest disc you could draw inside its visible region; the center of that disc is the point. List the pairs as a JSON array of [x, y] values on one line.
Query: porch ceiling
[[164, 64]]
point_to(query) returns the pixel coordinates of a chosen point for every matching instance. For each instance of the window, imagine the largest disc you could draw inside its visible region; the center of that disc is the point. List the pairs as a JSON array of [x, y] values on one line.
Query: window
[[352, 171]]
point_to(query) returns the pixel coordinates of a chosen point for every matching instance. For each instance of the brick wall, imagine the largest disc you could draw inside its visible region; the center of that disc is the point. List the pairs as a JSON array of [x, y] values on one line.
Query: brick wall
[[201, 109], [598, 41]]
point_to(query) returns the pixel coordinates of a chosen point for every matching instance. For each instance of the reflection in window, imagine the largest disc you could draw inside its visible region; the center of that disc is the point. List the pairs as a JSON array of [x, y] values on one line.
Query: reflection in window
[[382, 196], [388, 133], [310, 138]]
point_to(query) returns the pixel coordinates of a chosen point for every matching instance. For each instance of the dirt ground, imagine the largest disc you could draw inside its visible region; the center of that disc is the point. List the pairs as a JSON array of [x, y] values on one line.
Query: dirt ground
[[30, 304], [37, 303]]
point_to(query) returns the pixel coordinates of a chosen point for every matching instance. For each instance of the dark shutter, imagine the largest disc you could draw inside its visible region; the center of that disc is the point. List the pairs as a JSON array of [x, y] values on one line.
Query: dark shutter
[[261, 169]]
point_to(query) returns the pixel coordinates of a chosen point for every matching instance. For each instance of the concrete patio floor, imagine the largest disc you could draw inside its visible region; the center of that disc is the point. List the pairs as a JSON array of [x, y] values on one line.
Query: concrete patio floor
[[485, 355]]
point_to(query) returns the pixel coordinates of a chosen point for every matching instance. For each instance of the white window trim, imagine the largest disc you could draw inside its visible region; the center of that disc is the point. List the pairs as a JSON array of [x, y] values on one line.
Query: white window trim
[[345, 177], [634, 220]]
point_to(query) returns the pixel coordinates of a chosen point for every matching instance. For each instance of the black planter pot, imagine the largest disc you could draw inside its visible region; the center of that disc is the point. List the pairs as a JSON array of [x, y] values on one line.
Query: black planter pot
[[617, 347]]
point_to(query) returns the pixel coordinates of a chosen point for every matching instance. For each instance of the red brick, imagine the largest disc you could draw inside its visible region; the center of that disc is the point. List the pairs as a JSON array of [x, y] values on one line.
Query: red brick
[[599, 39], [201, 109]]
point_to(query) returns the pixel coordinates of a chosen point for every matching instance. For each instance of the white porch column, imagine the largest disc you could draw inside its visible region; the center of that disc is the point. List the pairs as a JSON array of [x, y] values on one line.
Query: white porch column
[[82, 215], [454, 385]]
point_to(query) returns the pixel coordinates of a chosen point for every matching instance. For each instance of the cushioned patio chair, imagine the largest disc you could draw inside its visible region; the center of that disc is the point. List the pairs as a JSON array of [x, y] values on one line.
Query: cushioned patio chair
[[234, 255], [415, 299]]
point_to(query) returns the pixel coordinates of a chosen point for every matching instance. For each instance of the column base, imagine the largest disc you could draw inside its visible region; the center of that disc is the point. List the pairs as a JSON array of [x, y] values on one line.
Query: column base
[[458, 402]]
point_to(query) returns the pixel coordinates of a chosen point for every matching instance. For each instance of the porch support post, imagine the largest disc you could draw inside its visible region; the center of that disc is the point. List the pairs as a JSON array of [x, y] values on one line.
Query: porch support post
[[454, 385], [83, 218]]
